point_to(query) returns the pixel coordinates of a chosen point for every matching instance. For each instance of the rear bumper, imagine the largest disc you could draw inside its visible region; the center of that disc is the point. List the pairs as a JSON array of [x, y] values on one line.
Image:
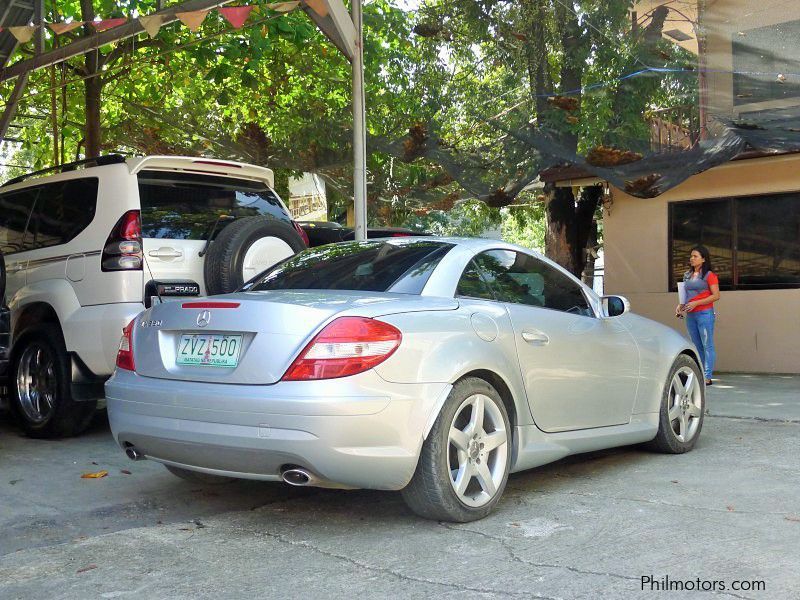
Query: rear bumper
[[357, 431]]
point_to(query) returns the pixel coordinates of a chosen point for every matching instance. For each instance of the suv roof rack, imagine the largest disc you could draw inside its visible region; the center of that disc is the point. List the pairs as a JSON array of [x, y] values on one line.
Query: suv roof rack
[[97, 161]]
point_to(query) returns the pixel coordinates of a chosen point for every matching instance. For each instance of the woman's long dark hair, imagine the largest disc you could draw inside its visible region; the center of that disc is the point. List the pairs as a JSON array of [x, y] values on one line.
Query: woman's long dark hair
[[706, 267]]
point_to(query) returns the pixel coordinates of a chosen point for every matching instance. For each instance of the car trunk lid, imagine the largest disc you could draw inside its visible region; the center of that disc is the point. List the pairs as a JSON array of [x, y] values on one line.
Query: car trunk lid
[[273, 327]]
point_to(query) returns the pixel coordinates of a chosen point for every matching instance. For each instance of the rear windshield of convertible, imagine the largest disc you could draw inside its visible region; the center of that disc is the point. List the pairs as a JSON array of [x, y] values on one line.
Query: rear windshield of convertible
[[400, 266]]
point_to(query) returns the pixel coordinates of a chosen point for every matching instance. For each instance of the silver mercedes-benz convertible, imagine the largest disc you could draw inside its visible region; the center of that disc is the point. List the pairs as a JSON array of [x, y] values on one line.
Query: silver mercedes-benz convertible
[[434, 366]]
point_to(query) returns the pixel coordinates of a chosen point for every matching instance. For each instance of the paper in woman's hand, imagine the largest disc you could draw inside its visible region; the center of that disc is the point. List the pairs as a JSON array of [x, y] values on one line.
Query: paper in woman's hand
[[682, 299]]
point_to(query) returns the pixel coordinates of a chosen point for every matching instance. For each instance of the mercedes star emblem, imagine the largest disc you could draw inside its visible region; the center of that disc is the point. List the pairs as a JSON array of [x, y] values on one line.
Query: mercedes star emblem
[[204, 318]]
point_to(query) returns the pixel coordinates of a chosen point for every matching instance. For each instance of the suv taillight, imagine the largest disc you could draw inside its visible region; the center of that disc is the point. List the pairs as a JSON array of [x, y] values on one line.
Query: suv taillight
[[301, 232], [123, 249], [125, 353], [346, 346]]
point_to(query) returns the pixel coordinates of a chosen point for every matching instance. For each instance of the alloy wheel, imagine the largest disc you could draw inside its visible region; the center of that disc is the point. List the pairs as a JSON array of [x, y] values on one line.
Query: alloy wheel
[[37, 383], [477, 450], [685, 404]]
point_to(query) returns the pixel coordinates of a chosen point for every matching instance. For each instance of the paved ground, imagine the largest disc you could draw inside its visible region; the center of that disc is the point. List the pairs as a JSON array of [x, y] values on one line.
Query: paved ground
[[587, 527]]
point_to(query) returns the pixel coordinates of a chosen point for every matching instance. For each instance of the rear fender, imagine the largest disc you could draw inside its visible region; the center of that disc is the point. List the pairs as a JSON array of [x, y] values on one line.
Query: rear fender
[[659, 347], [444, 346], [54, 294]]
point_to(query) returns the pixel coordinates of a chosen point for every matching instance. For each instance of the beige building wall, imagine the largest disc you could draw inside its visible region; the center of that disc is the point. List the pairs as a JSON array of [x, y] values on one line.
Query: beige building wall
[[757, 330]]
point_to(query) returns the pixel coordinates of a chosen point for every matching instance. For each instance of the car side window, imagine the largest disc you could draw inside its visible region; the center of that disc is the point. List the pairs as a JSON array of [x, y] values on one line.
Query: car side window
[[473, 285], [15, 211], [522, 279], [62, 211]]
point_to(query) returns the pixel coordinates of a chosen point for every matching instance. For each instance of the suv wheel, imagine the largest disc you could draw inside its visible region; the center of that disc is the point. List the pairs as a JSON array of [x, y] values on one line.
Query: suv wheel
[[244, 249], [41, 386]]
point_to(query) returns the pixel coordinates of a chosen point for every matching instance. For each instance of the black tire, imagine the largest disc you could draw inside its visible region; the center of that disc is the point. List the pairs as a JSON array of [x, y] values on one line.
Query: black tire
[[667, 439], [430, 493], [2, 280], [65, 416], [198, 477], [223, 263]]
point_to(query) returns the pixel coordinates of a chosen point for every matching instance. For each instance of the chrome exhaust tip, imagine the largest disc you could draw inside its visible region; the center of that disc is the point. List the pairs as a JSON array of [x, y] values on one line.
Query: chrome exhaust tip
[[298, 477], [134, 454]]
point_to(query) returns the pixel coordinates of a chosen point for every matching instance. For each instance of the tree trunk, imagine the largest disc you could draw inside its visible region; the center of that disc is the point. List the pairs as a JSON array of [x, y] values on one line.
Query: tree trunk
[[54, 116], [586, 226], [93, 89], [591, 255], [559, 240], [569, 221], [575, 48], [535, 20], [570, 224], [632, 94]]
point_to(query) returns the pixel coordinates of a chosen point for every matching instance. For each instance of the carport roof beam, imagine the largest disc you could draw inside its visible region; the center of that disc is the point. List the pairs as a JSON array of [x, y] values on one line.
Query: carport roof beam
[[345, 32], [13, 102], [336, 25], [86, 44]]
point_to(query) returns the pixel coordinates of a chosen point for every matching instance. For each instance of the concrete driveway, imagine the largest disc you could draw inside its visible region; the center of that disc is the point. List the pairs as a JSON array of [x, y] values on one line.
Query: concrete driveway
[[591, 526]]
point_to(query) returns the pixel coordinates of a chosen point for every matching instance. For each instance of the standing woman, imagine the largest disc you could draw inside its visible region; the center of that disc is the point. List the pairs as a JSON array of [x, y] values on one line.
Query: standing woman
[[702, 289]]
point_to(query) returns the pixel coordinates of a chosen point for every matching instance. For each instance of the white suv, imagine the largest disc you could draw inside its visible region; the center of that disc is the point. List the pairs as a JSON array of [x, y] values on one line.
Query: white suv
[[94, 244]]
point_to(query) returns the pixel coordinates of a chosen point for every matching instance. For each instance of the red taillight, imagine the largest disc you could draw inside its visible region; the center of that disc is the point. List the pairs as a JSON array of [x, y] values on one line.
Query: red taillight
[[123, 249], [347, 346], [301, 232], [125, 353]]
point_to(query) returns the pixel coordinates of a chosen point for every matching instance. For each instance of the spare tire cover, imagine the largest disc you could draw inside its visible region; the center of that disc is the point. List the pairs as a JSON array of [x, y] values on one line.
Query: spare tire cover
[[244, 249]]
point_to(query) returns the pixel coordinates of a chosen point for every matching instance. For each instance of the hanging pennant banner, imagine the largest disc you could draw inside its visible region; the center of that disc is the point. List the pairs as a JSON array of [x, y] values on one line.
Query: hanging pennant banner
[[62, 28], [152, 24], [236, 15], [283, 7], [192, 19], [108, 23], [23, 33], [319, 7]]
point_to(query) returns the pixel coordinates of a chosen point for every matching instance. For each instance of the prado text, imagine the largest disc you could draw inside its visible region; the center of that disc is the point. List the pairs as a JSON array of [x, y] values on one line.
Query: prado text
[[666, 583]]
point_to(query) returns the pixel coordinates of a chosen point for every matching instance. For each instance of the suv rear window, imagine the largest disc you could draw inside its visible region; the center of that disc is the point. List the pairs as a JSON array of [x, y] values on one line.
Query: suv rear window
[[181, 206], [400, 266]]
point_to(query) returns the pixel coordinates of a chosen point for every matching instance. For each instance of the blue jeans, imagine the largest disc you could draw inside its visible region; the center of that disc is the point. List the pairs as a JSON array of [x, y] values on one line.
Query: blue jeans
[[701, 330]]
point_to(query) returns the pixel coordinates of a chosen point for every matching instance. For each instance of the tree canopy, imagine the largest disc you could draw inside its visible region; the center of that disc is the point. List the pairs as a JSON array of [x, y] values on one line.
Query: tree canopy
[[466, 99]]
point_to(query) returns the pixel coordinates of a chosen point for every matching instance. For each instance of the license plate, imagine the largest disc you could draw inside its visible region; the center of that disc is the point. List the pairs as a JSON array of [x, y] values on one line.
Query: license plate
[[209, 350]]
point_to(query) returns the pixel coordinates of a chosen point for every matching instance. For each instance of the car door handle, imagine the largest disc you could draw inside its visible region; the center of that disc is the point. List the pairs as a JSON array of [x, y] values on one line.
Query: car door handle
[[165, 253], [16, 268], [535, 337]]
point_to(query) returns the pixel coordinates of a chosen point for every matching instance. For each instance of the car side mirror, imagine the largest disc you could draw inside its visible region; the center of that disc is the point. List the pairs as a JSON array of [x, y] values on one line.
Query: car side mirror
[[614, 306]]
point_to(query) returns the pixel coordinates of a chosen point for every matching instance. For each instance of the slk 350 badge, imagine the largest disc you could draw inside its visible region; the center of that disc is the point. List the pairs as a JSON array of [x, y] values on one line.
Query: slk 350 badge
[[158, 323]]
